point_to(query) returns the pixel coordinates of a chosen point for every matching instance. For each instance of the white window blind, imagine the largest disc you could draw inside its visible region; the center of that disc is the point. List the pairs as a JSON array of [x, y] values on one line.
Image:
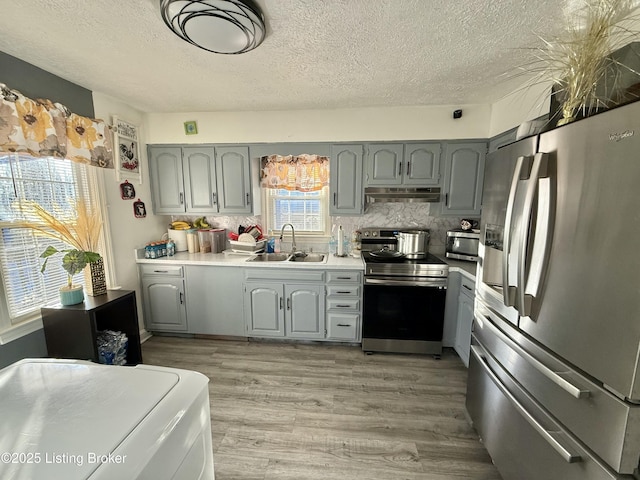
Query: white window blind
[[306, 211], [56, 185]]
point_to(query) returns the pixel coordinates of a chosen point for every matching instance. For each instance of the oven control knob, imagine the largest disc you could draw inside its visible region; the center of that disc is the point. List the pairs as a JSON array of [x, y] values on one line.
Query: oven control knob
[[375, 234], [366, 234]]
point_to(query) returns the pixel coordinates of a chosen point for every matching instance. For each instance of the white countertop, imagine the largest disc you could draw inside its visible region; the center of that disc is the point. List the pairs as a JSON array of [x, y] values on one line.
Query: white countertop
[[240, 260], [468, 269]]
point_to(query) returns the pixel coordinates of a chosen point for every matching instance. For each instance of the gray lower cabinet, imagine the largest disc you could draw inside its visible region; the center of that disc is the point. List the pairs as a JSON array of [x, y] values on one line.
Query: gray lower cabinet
[[200, 179], [345, 185], [163, 296], [283, 303], [214, 300], [458, 315], [344, 305], [463, 179], [451, 309]]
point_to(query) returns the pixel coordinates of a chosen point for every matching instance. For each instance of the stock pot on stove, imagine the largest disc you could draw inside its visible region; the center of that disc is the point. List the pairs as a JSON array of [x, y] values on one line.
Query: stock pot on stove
[[413, 243]]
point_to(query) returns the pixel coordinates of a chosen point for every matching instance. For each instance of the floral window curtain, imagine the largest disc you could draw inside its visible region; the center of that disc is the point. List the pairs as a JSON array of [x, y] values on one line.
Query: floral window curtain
[[304, 173], [42, 128]]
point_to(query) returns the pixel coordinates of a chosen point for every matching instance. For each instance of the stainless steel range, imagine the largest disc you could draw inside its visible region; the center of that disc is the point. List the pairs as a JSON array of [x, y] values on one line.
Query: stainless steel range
[[404, 297]]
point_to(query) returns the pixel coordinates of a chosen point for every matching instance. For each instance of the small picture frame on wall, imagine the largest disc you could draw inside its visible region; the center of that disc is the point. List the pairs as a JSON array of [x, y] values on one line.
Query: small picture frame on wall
[[127, 191], [127, 150], [139, 210], [190, 128]]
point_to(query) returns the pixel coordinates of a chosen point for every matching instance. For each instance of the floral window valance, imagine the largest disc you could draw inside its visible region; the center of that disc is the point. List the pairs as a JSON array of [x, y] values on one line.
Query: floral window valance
[[304, 173], [42, 128]]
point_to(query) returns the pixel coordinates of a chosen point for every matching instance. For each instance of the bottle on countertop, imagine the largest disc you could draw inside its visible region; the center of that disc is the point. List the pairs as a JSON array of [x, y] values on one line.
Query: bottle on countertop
[[171, 248]]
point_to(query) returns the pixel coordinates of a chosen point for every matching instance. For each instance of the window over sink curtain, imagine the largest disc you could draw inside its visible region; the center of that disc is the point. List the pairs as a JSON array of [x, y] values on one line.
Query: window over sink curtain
[[41, 128], [295, 191], [304, 173]]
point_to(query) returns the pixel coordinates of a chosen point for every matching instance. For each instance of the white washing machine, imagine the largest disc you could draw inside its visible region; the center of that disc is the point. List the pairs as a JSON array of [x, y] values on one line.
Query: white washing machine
[[71, 420]]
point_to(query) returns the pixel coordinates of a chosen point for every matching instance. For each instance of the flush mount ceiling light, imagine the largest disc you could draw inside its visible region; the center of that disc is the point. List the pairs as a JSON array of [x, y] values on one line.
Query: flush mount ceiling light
[[219, 26]]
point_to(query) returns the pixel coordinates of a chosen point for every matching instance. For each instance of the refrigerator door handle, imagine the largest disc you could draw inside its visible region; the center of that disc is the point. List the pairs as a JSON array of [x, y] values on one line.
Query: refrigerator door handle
[[551, 437], [555, 377], [538, 170], [508, 292]]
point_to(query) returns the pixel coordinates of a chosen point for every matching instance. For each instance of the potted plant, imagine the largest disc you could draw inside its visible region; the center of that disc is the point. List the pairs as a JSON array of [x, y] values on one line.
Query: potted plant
[[80, 231]]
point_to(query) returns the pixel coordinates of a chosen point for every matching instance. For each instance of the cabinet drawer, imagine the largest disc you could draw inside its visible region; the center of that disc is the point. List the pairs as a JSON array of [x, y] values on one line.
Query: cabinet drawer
[[468, 287], [343, 303], [342, 277], [282, 275], [171, 270], [343, 326], [343, 290]]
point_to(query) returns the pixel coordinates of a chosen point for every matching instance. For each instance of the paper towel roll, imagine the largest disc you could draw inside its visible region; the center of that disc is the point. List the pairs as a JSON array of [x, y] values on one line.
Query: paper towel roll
[[340, 246]]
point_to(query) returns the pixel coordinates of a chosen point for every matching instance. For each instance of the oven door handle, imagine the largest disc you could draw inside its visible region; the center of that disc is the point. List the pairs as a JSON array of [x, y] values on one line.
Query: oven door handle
[[404, 283]]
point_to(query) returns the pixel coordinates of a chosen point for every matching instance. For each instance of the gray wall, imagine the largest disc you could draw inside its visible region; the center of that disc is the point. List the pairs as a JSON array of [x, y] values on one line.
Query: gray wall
[[37, 83], [34, 82], [29, 346]]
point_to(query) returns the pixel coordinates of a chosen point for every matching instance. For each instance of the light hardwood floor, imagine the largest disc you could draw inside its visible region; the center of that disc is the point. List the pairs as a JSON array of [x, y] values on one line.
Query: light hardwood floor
[[308, 411]]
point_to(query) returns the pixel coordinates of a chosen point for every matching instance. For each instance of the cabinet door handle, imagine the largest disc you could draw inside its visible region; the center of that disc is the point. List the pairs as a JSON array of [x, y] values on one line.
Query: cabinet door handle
[[335, 198], [467, 287], [181, 298], [288, 304], [408, 168], [181, 198], [248, 201], [399, 168], [446, 199], [281, 303], [214, 196]]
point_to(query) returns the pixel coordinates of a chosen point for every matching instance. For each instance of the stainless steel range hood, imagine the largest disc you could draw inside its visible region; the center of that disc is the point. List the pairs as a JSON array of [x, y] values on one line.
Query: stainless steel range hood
[[406, 195]]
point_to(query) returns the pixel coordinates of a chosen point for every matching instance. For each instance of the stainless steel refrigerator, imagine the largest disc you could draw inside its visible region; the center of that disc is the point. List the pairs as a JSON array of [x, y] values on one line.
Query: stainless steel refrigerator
[[554, 378]]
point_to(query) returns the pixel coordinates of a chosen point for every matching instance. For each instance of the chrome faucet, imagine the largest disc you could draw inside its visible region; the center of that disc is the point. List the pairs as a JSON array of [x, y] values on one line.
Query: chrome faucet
[[293, 237]]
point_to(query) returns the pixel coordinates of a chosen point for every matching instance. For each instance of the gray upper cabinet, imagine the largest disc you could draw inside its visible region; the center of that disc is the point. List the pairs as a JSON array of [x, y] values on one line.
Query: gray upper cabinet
[[200, 179], [345, 185], [384, 164], [421, 164], [463, 178], [165, 169], [199, 171], [234, 180], [395, 164]]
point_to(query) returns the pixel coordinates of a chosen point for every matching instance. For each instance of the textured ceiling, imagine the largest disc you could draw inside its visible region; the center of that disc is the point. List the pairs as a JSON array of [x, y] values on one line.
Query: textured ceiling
[[317, 54]]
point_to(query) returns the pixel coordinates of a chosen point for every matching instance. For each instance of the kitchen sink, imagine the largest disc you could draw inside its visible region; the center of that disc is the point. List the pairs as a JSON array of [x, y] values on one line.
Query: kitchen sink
[[269, 257], [309, 257]]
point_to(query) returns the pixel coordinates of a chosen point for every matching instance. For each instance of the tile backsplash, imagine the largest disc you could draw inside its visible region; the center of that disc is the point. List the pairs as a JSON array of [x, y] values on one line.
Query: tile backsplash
[[404, 215]]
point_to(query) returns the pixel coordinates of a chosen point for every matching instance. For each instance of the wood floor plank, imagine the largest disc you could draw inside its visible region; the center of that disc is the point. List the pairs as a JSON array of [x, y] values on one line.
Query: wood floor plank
[[312, 411]]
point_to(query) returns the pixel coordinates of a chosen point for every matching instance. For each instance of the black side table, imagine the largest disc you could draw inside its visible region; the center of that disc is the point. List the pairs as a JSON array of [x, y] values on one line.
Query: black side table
[[71, 330]]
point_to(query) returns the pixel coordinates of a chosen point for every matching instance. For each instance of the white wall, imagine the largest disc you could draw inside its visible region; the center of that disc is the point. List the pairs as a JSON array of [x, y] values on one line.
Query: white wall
[[526, 102], [127, 232], [362, 124]]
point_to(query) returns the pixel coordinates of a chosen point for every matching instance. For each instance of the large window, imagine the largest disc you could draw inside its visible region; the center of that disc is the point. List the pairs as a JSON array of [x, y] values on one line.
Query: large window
[[306, 211], [56, 185]]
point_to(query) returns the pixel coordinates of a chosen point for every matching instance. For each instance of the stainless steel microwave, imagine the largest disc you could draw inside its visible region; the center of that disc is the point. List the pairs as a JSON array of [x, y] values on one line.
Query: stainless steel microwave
[[463, 244]]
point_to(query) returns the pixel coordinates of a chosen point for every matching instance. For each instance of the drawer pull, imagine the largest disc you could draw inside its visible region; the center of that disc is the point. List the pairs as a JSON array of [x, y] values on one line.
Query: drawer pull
[[467, 287], [161, 271], [343, 278], [555, 377], [343, 291], [343, 325], [551, 437], [343, 306]]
